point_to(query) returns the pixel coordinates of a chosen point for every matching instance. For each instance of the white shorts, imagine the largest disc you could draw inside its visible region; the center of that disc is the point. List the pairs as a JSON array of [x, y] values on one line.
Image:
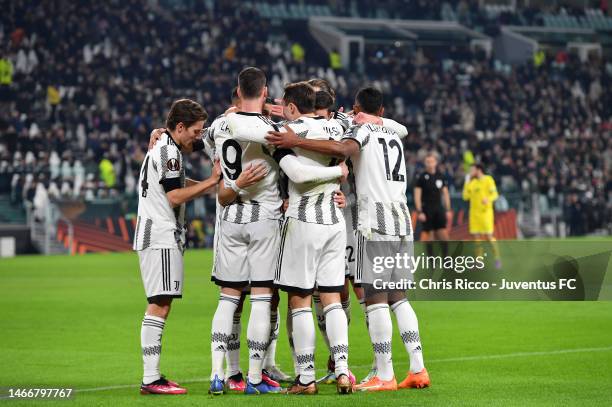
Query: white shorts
[[311, 255], [247, 253], [162, 273], [369, 265]]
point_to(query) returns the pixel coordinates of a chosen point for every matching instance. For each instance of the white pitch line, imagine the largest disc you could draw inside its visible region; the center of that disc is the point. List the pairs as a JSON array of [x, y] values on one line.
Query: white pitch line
[[520, 354], [458, 359]]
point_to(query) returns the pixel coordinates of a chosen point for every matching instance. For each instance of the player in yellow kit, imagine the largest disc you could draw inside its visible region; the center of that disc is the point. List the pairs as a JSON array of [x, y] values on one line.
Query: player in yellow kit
[[480, 191]]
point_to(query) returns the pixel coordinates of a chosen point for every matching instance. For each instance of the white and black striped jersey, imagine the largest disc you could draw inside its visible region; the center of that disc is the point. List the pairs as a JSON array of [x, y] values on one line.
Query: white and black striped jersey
[[313, 202], [244, 147], [380, 180], [159, 226], [346, 122]]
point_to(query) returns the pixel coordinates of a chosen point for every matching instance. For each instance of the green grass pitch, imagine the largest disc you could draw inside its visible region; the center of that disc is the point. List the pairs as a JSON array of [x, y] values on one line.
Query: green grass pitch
[[75, 322]]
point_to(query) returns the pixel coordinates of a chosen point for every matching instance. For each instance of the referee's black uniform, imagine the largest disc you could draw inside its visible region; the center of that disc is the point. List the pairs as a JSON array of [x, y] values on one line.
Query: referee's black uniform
[[431, 200]]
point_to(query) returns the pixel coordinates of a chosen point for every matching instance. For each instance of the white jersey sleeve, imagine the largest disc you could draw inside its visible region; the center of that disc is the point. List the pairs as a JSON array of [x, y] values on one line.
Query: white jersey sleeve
[[251, 131], [399, 128]]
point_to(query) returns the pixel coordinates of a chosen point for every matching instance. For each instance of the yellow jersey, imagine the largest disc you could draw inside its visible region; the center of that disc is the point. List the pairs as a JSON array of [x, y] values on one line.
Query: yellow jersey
[[476, 191]]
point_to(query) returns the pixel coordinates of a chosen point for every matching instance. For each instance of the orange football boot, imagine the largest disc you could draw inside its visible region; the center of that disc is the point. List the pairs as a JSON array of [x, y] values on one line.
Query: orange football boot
[[375, 384], [416, 380]]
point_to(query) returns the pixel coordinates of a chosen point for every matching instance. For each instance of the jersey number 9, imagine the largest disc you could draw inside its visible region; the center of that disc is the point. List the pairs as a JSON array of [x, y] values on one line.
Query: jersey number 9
[[232, 165]]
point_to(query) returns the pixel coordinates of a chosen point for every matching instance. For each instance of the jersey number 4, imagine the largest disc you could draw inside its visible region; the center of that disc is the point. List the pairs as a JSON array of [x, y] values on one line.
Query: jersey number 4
[[395, 175], [235, 165], [144, 184]]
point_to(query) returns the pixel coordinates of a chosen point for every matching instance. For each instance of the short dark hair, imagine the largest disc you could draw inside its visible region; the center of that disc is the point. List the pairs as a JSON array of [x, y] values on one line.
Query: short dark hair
[[251, 81], [302, 95], [185, 111], [323, 85], [324, 100], [369, 99], [235, 94], [479, 166]]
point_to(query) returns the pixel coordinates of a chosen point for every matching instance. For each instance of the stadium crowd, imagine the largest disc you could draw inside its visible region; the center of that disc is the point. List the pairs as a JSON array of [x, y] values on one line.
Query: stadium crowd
[[80, 91]]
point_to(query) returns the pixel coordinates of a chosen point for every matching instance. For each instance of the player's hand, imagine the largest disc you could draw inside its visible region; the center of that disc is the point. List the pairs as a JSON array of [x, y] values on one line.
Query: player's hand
[[232, 109], [362, 117], [251, 175], [286, 139], [340, 199], [422, 217], [485, 201], [345, 171], [216, 171], [155, 135], [285, 205], [275, 110]]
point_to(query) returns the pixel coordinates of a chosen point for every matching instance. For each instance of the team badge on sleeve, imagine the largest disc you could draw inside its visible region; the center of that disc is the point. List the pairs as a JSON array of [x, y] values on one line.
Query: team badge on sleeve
[[173, 164]]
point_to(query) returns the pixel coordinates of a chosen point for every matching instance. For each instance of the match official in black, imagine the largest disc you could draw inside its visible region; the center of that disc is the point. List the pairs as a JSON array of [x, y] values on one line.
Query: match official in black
[[432, 202]]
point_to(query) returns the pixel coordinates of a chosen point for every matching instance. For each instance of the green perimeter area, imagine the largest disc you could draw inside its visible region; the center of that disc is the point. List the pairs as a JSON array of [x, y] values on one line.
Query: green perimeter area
[[75, 322]]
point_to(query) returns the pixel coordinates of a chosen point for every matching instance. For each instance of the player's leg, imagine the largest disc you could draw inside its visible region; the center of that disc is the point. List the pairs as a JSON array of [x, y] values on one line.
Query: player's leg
[[162, 274], [318, 307], [330, 279], [262, 255], [379, 319], [380, 328], [427, 231], [289, 325], [408, 326], [235, 379], [231, 275], [488, 229], [304, 343], [440, 231], [337, 328], [360, 294], [295, 274], [270, 367]]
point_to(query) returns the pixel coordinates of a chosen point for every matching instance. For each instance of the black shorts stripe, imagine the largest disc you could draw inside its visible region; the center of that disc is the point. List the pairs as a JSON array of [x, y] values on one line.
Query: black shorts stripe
[[360, 250], [163, 269], [168, 284], [281, 250]]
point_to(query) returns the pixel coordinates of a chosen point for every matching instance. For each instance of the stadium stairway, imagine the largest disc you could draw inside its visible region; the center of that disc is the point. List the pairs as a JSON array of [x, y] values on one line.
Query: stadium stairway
[[89, 238]]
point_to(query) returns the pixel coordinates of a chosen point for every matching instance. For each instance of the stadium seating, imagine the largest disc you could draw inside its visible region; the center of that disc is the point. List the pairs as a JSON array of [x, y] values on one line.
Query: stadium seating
[[82, 102]]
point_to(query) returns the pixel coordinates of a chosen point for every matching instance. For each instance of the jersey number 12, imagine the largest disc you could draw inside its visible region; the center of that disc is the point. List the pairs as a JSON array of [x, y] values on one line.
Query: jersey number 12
[[395, 175]]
